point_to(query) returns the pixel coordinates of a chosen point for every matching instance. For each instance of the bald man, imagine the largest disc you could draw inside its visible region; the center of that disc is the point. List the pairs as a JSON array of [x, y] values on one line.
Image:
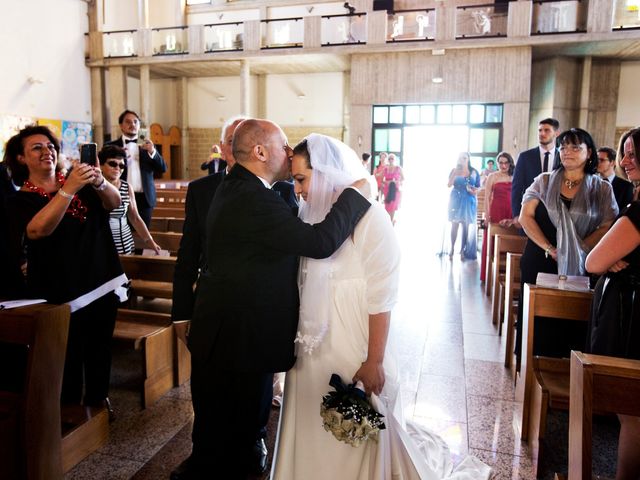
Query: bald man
[[246, 309]]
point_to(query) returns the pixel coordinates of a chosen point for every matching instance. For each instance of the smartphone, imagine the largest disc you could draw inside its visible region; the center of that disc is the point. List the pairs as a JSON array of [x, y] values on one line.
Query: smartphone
[[89, 154], [143, 134]]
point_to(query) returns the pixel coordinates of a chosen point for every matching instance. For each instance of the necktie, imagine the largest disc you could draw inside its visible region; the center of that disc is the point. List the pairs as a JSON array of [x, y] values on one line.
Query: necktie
[[546, 162], [127, 140]]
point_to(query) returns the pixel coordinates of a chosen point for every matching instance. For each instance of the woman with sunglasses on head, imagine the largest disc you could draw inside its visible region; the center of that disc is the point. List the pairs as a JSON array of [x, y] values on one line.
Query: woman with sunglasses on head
[[112, 162], [59, 228]]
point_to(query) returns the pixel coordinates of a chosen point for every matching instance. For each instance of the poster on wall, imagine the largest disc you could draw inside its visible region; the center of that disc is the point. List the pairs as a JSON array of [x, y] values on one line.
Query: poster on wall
[[9, 126], [54, 125], [75, 134]]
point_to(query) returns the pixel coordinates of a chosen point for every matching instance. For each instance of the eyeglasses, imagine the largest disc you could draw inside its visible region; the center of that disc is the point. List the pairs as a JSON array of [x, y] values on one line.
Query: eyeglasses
[[113, 164], [571, 148], [505, 162]]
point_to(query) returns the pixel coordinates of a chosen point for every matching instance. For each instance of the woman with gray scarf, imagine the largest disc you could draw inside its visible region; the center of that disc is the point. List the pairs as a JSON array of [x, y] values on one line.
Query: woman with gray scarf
[[564, 214]]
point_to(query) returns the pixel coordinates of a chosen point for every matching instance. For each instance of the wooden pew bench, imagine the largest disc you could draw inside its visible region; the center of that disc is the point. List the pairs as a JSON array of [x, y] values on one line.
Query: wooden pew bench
[[161, 211], [492, 230], [167, 224], [167, 240], [151, 276], [171, 198], [152, 335], [544, 382], [511, 296], [603, 385], [503, 244]]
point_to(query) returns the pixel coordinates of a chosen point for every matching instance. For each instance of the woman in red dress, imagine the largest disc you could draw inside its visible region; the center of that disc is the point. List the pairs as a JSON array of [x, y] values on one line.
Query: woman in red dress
[[497, 198]]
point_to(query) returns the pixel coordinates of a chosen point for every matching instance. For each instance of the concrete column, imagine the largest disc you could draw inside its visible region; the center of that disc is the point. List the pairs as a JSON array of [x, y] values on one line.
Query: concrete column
[[445, 22], [262, 96], [519, 21], [143, 14], [145, 95], [377, 27], [117, 97], [97, 104], [600, 15], [182, 106], [585, 87], [346, 114], [252, 38], [180, 10], [312, 32], [245, 87], [196, 39]]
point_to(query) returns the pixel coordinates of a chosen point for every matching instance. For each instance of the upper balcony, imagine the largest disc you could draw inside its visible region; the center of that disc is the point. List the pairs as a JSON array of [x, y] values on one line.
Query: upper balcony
[[614, 25]]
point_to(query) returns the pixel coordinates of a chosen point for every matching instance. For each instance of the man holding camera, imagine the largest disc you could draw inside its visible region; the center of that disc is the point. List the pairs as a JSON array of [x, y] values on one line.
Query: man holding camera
[[143, 162]]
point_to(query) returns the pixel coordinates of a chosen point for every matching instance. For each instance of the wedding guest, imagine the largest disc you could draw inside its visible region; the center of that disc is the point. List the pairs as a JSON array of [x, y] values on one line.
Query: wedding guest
[[392, 178], [489, 169], [564, 214], [497, 198], [62, 224], [622, 189], [463, 205], [379, 172], [112, 162], [615, 320], [215, 163]]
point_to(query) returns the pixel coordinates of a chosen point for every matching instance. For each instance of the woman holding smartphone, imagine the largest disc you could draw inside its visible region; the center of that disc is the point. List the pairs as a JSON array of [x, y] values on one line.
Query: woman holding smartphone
[[60, 229]]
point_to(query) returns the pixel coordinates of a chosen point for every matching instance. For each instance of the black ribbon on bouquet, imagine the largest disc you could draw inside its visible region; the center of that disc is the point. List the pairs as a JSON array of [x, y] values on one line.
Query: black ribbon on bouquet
[[341, 387]]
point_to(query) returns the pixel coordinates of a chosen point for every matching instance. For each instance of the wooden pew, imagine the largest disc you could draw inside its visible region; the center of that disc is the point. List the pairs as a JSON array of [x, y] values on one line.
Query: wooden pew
[[598, 384], [167, 240], [152, 334], [39, 439], [502, 245], [171, 198], [151, 276], [167, 224], [511, 294], [543, 381], [492, 230], [161, 211]]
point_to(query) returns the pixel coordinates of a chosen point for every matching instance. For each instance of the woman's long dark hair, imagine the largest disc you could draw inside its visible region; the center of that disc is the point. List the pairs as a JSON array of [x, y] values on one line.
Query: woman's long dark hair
[[15, 147]]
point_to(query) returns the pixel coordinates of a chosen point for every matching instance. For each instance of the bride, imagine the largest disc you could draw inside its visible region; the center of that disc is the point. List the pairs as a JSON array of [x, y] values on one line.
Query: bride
[[345, 310]]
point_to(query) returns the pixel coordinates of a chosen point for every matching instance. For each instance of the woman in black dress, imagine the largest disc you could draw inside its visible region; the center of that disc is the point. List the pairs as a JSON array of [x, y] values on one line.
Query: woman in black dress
[[564, 214], [60, 228], [615, 320]]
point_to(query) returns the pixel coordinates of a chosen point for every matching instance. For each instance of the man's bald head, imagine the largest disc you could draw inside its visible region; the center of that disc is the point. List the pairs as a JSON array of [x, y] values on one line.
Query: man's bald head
[[261, 147]]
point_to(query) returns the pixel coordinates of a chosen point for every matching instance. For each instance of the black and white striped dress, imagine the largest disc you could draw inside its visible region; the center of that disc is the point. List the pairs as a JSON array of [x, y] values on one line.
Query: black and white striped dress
[[120, 228]]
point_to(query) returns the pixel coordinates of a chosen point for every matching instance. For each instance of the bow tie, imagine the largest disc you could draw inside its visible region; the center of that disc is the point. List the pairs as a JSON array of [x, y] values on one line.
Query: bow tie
[[126, 140]]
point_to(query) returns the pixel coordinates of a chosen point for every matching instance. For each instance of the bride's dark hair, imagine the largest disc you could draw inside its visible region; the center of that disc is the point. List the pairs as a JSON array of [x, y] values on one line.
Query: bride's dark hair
[[303, 149]]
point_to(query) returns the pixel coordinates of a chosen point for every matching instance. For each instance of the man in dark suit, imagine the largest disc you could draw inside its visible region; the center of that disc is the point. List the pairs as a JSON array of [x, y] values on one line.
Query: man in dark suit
[[531, 163], [622, 190], [143, 162], [246, 309], [216, 162]]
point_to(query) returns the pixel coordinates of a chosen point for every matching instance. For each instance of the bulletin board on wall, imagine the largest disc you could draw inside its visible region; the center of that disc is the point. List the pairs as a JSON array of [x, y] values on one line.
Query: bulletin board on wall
[[71, 134]]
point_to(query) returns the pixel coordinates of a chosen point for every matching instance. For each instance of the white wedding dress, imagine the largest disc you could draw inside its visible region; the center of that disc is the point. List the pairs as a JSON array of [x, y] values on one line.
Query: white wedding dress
[[363, 279]]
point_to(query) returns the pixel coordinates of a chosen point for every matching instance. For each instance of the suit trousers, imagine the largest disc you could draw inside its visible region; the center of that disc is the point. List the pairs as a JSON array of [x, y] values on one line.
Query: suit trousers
[[144, 209], [230, 412], [89, 352]]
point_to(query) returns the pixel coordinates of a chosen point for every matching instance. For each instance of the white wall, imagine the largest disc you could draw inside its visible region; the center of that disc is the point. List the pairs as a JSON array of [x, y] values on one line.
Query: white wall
[[321, 106], [628, 114], [123, 14], [206, 111], [45, 40]]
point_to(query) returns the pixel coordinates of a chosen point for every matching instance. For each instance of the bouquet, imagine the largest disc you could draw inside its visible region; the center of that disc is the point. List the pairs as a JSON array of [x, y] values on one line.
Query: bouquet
[[347, 414]]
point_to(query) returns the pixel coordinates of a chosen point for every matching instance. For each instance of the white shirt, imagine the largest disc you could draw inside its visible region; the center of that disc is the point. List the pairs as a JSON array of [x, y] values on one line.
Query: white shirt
[[134, 177], [552, 158]]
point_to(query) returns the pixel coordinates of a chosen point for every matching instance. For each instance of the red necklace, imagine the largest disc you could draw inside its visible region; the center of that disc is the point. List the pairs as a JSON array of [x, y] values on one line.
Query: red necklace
[[76, 208]]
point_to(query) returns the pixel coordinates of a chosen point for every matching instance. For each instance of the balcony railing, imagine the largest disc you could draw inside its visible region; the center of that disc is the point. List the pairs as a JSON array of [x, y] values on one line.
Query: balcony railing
[[486, 20], [121, 43], [344, 29], [282, 33], [170, 41], [223, 37], [626, 14], [411, 25], [559, 16]]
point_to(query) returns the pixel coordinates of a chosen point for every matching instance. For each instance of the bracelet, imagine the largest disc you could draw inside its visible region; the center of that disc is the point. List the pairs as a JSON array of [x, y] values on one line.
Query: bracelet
[[64, 194], [102, 186], [547, 251]]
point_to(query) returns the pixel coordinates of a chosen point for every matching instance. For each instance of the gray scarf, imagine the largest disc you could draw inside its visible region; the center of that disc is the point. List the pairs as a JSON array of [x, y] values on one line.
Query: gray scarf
[[593, 205]]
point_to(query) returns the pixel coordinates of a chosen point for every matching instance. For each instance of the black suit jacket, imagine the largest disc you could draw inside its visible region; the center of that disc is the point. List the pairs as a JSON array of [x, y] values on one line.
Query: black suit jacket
[[191, 255], [623, 191], [148, 167], [210, 166], [246, 311], [528, 167]]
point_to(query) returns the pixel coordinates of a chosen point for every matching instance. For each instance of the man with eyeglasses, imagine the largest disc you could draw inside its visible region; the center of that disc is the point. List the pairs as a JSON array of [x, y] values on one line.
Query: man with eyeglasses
[[143, 162], [531, 163], [622, 189], [246, 308]]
